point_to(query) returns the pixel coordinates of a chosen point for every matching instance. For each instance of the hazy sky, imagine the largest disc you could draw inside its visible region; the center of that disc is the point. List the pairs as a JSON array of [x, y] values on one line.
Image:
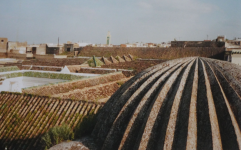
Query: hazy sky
[[43, 21]]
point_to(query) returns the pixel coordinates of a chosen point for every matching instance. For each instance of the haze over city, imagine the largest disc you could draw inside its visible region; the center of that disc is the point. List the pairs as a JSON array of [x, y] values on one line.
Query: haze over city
[[156, 21], [120, 75]]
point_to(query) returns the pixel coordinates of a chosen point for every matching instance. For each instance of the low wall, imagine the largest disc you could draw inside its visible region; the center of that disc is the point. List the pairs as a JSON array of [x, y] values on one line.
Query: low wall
[[19, 65], [78, 84], [96, 70], [23, 56], [197, 44], [13, 75], [43, 56], [6, 69], [154, 53], [39, 74], [3, 55], [52, 75], [18, 56], [236, 59], [60, 56]]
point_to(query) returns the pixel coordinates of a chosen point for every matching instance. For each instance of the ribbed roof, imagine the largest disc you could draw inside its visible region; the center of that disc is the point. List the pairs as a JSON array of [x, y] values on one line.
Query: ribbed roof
[[105, 61], [25, 117], [188, 103]]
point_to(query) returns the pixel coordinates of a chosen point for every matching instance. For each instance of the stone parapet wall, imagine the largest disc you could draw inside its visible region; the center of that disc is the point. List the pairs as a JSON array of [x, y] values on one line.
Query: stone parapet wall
[[43, 56], [96, 70], [3, 55], [19, 65], [37, 74], [3, 44], [15, 55], [44, 61], [60, 56], [10, 68], [77, 84], [52, 75], [197, 44], [154, 53]]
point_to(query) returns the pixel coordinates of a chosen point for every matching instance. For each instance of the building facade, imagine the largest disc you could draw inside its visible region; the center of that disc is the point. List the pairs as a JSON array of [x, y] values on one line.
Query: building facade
[[3, 45]]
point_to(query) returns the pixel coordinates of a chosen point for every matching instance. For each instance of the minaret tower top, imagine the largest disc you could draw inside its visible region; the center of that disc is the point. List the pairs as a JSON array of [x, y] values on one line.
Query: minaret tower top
[[108, 38]]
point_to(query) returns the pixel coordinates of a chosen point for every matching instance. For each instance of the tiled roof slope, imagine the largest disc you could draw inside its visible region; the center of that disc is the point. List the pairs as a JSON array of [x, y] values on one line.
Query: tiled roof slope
[[24, 118], [188, 103], [64, 87]]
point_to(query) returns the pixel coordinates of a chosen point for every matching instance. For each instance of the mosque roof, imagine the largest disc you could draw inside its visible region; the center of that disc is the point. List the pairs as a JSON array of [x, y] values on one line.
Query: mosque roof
[[187, 103]]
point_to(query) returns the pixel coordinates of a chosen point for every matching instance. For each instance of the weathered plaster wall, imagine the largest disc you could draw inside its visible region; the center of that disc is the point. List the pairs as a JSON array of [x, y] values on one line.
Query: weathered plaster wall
[[3, 55], [15, 55], [60, 56], [44, 56], [69, 46], [41, 50], [52, 50], [3, 44], [236, 59], [19, 46]]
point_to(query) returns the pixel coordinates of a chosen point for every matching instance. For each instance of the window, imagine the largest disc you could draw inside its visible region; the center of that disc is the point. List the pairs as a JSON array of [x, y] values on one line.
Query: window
[[2, 41]]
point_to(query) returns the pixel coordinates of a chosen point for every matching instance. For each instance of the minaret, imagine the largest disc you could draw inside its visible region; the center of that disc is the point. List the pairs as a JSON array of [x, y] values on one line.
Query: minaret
[[108, 38]]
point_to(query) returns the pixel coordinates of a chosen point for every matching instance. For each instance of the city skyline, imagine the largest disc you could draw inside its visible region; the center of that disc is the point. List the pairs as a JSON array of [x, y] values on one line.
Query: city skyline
[[136, 21]]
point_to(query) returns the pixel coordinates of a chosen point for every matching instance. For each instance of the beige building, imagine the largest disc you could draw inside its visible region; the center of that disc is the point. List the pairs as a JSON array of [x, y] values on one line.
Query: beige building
[[17, 47], [3, 45], [41, 50], [236, 56]]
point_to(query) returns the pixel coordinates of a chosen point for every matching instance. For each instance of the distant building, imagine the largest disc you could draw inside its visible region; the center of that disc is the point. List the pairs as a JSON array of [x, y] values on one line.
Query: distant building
[[150, 44], [41, 50], [123, 45], [220, 38], [17, 47], [140, 44], [69, 47], [108, 38], [137, 44], [233, 56], [102, 45], [3, 44], [219, 42], [233, 51], [52, 49], [127, 45], [31, 50], [116, 45], [163, 44], [235, 42], [130, 45], [83, 44]]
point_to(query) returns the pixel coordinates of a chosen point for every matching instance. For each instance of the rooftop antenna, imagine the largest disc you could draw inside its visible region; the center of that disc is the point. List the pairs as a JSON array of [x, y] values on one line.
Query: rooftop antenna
[[58, 41]]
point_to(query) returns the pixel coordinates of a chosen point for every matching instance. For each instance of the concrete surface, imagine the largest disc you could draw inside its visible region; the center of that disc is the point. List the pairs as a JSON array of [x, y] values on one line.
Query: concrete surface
[[18, 83]]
